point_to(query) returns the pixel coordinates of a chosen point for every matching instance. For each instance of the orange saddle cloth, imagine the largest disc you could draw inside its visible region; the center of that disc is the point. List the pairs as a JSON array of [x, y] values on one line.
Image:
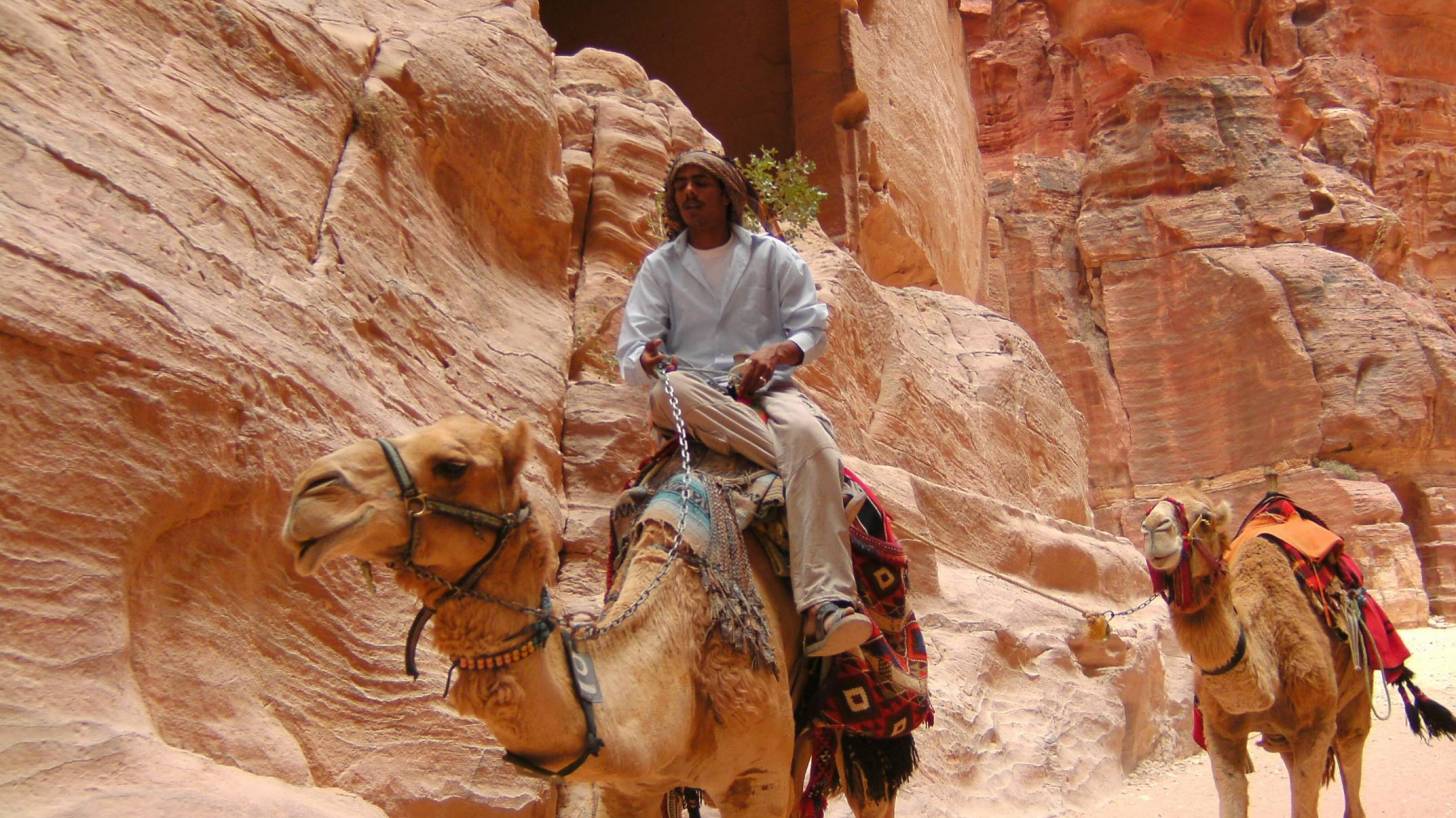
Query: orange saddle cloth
[[1288, 526]]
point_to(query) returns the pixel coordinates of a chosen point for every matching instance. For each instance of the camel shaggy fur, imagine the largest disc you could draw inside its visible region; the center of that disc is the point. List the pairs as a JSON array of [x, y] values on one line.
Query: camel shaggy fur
[[1297, 683], [681, 709]]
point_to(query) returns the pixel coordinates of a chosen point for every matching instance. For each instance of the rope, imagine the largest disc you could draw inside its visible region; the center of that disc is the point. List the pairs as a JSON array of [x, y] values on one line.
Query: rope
[[1086, 614], [1380, 662]]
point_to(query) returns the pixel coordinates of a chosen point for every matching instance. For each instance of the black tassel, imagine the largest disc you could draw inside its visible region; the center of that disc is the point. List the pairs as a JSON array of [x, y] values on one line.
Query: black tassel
[[876, 768], [1412, 713], [1427, 717], [1439, 721]]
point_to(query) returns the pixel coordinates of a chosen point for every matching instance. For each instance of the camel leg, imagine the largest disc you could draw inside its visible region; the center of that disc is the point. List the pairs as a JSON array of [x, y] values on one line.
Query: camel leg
[[1350, 751], [1309, 753], [1229, 758], [756, 795]]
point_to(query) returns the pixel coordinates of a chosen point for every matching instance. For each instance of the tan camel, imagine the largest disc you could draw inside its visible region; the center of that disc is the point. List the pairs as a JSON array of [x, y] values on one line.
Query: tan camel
[[1267, 663], [679, 709]]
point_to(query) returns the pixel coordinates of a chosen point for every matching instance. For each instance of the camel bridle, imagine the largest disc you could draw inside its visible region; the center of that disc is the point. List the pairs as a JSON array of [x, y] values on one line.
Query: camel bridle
[[418, 505], [529, 639], [1187, 594]]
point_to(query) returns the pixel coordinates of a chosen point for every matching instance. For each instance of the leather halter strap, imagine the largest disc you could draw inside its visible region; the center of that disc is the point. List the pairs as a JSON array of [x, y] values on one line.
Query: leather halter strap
[[1181, 577], [594, 743], [417, 505]]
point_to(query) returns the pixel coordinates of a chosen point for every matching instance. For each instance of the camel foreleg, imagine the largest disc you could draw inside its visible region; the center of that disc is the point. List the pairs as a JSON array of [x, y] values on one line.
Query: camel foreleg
[[1229, 758], [1307, 760]]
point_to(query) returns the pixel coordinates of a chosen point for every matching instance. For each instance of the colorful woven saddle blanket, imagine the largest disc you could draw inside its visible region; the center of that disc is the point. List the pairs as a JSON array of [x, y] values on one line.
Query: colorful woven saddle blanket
[[1332, 580], [873, 697]]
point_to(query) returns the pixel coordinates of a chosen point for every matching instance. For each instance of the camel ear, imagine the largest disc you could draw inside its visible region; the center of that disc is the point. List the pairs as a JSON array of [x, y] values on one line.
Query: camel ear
[[516, 449], [1221, 513]]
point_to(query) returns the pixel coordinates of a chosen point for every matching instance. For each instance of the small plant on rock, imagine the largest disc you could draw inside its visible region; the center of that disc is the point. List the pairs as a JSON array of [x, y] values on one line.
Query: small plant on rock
[[783, 186]]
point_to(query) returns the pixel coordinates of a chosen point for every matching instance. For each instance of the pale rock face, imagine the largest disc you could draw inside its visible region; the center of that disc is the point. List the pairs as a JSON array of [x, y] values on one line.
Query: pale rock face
[[887, 127], [236, 236], [1021, 727]]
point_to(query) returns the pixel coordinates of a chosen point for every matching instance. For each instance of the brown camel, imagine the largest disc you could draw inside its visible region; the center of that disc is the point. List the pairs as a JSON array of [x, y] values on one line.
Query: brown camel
[[679, 708], [1267, 663]]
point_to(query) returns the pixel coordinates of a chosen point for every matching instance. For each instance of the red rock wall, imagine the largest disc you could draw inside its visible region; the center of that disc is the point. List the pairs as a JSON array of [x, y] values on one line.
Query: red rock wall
[[1228, 229]]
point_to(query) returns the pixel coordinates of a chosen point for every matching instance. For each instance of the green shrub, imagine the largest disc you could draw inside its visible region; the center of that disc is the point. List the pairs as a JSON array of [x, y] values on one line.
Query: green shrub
[[783, 185]]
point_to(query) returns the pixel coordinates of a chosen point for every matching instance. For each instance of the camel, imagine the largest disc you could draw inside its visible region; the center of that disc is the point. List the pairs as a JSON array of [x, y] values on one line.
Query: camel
[[678, 708], [1267, 663]]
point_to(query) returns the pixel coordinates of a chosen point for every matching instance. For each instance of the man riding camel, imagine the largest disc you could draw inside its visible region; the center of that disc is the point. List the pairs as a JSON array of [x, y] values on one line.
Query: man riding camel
[[726, 311]]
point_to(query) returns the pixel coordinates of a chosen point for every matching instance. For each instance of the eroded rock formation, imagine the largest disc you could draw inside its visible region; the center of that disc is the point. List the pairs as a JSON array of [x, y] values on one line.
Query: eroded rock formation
[[1228, 229], [239, 233]]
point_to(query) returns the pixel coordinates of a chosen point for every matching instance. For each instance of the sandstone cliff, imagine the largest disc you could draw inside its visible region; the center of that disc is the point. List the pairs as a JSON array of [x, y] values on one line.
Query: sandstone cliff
[[1229, 229], [237, 234]]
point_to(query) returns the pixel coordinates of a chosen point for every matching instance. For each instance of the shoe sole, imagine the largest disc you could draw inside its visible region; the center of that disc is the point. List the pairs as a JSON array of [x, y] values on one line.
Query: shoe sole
[[850, 633]]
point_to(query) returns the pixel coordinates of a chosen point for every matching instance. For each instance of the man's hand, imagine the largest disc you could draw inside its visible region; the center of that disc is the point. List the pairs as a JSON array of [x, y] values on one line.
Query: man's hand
[[758, 369], [651, 357]]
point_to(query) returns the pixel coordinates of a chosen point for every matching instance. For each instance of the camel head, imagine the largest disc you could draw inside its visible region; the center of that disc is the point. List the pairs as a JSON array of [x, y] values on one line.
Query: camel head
[[348, 503], [1186, 534]]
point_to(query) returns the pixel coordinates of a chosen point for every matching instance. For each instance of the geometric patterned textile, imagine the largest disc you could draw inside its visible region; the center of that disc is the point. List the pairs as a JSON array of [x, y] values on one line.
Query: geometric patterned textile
[[879, 693]]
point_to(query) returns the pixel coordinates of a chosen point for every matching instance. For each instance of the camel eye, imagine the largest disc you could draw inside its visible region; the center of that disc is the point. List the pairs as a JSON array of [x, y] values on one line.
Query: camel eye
[[320, 483], [451, 469]]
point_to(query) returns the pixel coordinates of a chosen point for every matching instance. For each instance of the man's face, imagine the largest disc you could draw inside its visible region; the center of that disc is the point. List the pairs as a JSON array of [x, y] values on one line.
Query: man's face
[[699, 197]]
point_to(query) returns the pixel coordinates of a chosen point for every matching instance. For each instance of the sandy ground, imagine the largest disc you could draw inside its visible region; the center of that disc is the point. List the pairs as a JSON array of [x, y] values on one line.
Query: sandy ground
[[1403, 778]]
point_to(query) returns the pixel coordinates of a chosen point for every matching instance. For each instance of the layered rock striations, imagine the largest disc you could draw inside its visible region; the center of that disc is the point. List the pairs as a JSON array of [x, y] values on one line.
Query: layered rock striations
[[239, 234], [1228, 229]]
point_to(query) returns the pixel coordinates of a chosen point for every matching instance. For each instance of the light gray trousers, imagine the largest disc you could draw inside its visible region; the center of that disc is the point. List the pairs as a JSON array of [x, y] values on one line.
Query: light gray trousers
[[795, 442]]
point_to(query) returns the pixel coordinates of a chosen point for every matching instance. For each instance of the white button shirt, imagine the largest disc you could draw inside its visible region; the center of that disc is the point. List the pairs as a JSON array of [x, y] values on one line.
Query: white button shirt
[[767, 297]]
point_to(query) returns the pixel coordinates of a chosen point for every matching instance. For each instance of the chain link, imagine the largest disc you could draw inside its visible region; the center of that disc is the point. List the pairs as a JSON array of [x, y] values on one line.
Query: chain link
[[1134, 609], [590, 630]]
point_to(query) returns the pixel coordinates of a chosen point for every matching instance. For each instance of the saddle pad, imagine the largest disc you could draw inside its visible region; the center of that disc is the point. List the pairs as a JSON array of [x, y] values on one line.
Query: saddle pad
[[1305, 536]]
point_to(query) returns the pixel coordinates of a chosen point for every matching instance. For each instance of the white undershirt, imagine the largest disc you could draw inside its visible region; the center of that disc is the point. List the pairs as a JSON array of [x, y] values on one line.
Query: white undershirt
[[714, 264]]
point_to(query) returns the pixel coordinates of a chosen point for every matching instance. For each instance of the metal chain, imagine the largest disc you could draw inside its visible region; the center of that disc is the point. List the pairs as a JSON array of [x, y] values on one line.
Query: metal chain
[[590, 630], [1134, 609]]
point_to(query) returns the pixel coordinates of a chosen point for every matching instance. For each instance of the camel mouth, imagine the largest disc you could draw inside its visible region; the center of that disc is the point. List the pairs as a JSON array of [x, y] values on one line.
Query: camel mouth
[[1167, 563], [312, 552]]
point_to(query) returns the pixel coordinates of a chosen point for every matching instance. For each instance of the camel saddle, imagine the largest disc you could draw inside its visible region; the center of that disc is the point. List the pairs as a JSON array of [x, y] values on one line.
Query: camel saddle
[[865, 702], [1277, 517], [1331, 579]]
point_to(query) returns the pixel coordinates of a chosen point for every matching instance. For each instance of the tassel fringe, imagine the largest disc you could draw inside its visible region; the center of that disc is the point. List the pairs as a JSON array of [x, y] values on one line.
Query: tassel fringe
[[1427, 717], [876, 768]]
